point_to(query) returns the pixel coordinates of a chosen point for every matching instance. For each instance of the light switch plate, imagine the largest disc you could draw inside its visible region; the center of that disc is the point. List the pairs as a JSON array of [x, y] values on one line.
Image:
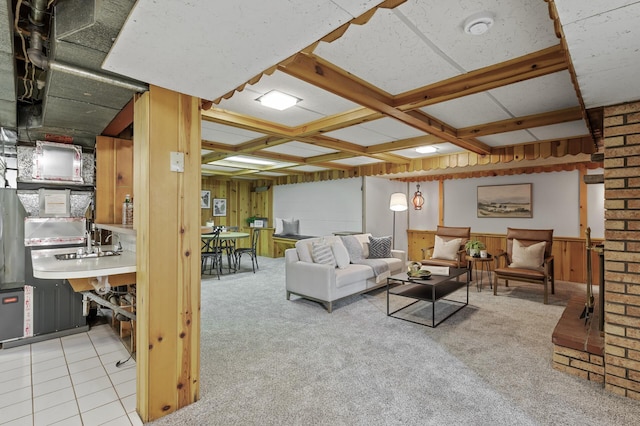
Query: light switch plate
[[177, 162]]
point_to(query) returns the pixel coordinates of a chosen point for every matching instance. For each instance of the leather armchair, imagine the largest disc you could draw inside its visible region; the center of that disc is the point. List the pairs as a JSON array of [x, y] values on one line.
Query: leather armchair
[[544, 274], [448, 233]]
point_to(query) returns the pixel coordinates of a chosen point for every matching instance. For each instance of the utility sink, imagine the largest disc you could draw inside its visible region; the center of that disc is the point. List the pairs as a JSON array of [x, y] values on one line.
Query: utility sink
[[71, 256]]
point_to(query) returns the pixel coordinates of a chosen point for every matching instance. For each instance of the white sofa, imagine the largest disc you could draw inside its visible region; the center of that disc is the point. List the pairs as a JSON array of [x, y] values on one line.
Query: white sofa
[[326, 283]]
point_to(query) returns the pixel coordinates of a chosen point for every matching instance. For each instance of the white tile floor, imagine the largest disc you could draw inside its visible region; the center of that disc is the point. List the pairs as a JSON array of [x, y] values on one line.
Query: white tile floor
[[71, 380]]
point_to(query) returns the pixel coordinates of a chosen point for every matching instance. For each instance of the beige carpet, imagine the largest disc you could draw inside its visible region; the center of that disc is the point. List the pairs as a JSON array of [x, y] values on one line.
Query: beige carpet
[[269, 361]]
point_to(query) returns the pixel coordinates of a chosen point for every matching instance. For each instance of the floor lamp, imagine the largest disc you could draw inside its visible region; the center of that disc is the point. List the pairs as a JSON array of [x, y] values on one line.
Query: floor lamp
[[397, 203]]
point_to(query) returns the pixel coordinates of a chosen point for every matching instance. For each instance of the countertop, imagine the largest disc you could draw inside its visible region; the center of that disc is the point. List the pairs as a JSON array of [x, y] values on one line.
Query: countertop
[[46, 266]]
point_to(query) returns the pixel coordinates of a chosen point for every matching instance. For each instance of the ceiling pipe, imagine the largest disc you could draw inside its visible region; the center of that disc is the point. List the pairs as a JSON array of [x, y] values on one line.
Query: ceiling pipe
[[36, 55]]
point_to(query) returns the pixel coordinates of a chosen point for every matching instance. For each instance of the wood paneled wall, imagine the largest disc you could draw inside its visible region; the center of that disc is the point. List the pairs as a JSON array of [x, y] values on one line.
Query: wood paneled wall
[[114, 177], [242, 203], [167, 246], [569, 253]]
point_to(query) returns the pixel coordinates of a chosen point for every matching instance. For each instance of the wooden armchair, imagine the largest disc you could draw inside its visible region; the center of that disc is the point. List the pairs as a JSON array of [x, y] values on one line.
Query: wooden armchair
[[455, 258], [526, 259]]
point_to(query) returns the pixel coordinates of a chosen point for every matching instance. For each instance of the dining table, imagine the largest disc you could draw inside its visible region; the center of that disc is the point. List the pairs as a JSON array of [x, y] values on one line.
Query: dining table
[[228, 239]]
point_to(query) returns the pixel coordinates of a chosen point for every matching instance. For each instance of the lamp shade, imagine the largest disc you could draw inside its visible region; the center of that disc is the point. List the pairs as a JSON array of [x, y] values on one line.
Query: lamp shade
[[398, 202]]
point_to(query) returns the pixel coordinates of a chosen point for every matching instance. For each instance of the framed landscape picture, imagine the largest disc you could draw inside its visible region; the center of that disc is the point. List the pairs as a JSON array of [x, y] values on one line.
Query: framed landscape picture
[[219, 206], [505, 200]]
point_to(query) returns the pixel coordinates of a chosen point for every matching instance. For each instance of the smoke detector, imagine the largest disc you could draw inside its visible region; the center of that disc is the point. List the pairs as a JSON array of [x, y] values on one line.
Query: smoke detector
[[478, 24]]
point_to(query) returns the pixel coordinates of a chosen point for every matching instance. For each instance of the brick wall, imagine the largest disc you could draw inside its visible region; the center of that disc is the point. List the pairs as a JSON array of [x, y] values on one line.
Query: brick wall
[[622, 249]]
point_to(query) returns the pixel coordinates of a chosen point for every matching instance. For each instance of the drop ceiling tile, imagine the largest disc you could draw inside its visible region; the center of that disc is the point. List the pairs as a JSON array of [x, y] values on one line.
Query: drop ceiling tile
[[468, 111], [576, 10], [227, 43], [548, 93], [393, 129], [221, 133], [520, 27], [387, 53], [212, 167], [271, 174], [562, 130], [299, 149], [205, 151], [357, 161], [308, 168], [606, 60], [507, 138], [369, 134]]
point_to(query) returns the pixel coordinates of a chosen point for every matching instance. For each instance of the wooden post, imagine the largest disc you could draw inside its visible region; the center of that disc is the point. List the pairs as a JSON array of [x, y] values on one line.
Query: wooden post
[[167, 223]]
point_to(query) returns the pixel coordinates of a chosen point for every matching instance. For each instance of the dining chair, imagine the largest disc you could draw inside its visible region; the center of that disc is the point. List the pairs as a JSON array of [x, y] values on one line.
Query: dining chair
[[528, 258], [212, 254], [251, 251]]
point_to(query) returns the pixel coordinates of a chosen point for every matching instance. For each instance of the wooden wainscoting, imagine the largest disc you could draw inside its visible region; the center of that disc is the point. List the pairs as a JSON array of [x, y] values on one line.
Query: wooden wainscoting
[[569, 253]]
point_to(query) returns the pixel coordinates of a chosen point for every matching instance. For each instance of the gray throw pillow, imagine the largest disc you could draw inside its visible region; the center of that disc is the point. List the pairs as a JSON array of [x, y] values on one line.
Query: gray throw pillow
[[354, 248], [379, 247], [290, 227]]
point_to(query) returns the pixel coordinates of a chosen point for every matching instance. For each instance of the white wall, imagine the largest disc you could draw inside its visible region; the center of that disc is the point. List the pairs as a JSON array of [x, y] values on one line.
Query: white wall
[[321, 207], [378, 216], [555, 199], [427, 218]]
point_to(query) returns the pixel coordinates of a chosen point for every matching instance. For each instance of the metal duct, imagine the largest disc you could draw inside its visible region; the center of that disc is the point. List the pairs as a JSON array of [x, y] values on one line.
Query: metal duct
[[80, 99]]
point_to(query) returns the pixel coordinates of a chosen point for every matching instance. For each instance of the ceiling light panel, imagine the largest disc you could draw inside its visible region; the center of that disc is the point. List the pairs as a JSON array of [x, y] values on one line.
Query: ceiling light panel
[[316, 103], [249, 160], [442, 149], [280, 101]]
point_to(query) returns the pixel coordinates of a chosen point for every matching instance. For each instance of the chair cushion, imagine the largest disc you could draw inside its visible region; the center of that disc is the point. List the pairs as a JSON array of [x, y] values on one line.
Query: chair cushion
[[379, 247], [527, 257], [447, 250], [341, 254], [321, 253], [441, 262], [510, 272]]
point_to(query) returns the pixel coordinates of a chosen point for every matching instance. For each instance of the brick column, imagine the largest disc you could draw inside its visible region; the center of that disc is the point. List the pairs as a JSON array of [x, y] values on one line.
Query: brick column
[[622, 249]]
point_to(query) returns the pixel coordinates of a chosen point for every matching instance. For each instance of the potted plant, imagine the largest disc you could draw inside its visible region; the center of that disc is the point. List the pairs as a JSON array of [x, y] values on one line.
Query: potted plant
[[474, 247]]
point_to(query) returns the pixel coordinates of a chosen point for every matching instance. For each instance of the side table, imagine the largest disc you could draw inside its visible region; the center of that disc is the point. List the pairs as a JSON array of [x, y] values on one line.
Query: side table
[[480, 264]]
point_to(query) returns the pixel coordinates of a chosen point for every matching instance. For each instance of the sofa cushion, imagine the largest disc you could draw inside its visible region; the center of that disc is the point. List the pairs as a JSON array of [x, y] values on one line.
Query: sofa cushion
[[447, 250], [341, 254], [527, 257], [353, 274], [321, 253], [354, 247], [379, 247], [364, 241]]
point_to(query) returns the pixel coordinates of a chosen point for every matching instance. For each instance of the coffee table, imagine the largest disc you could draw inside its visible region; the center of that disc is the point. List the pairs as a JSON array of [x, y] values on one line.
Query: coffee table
[[432, 290]]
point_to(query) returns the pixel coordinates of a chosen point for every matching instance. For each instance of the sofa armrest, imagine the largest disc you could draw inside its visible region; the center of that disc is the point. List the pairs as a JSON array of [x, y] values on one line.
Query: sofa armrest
[[400, 254], [310, 279]]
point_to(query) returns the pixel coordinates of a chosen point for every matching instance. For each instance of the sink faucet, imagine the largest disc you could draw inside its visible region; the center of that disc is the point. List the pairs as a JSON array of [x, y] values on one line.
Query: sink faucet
[[119, 248], [89, 248]]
